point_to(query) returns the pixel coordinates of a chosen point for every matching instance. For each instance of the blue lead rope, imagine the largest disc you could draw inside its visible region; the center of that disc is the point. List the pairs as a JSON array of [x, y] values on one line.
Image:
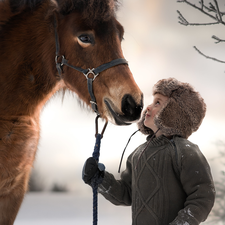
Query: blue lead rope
[[94, 183], [97, 147]]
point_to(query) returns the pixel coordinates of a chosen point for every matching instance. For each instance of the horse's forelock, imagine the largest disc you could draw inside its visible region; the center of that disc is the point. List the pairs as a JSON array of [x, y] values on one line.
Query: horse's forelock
[[91, 10]]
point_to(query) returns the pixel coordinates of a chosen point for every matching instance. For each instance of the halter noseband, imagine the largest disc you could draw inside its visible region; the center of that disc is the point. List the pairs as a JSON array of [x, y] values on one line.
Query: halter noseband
[[95, 71]]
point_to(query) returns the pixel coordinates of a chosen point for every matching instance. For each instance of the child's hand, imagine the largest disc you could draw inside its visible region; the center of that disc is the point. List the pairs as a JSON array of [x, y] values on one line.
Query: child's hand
[[93, 171]]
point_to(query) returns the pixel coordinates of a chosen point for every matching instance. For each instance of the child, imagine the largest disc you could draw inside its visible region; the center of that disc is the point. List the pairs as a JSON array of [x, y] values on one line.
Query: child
[[167, 179]]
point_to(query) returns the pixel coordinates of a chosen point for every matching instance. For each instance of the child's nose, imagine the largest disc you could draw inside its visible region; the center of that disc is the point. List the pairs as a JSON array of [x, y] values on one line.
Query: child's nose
[[149, 107]]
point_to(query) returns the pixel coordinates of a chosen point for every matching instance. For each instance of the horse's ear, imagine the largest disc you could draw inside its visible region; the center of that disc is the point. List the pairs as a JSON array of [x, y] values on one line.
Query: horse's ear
[[53, 7]]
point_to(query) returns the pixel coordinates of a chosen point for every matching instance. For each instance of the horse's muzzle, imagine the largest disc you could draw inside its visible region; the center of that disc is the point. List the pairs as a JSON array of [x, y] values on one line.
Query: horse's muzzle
[[131, 110]]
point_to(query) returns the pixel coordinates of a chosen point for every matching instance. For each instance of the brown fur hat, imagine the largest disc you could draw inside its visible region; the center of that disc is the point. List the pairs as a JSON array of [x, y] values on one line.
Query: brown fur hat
[[183, 112]]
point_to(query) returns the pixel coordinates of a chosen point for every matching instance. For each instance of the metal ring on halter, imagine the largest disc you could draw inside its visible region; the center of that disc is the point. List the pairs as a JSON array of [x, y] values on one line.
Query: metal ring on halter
[[56, 59], [91, 71]]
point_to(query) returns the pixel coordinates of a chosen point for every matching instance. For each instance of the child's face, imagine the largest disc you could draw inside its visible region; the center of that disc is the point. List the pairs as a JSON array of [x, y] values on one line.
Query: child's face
[[158, 102]]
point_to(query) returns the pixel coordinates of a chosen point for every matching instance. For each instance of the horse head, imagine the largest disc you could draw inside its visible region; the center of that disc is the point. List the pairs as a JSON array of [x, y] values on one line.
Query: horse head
[[89, 36], [83, 33]]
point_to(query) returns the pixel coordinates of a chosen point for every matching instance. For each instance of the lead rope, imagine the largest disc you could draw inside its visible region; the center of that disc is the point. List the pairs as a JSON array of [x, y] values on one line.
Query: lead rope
[[125, 149], [94, 183], [128, 143]]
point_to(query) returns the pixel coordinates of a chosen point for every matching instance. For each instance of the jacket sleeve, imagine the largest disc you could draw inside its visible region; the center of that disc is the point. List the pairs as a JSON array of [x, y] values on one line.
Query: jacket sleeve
[[118, 192], [197, 182]]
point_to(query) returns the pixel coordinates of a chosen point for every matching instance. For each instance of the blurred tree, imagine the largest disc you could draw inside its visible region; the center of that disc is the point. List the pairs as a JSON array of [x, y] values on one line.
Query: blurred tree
[[210, 9], [59, 188], [36, 182], [217, 216]]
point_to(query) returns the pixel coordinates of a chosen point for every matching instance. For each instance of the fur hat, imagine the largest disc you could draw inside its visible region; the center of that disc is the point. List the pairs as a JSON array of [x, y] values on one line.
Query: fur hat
[[183, 112]]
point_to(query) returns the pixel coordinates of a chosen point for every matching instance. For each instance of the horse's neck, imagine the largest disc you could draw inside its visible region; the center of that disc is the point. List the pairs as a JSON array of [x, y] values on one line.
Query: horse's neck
[[27, 76]]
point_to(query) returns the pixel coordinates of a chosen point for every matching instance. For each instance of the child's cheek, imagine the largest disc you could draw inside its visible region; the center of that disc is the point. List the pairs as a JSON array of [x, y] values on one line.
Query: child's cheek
[[153, 114]]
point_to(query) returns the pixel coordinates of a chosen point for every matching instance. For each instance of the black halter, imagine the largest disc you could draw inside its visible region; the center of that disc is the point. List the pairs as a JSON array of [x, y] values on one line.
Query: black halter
[[95, 71]]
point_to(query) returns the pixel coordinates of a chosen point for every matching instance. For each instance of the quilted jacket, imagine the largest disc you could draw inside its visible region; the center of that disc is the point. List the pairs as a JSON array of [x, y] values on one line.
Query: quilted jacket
[[166, 181]]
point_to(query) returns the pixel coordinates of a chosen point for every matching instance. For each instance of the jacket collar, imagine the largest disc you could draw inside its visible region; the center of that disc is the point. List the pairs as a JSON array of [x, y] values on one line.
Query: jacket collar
[[159, 141]]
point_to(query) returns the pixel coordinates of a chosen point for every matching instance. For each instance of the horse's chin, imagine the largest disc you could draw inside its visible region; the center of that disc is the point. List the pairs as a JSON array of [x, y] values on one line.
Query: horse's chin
[[117, 118]]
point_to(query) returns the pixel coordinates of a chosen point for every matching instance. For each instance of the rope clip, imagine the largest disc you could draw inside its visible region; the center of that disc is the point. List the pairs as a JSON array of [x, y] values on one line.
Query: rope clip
[[96, 126]]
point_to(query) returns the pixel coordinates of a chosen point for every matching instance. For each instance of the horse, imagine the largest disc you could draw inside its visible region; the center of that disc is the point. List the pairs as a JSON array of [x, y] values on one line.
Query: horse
[[48, 46]]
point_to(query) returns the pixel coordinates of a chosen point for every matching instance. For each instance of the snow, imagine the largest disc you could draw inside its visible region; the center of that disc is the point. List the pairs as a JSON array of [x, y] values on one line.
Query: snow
[[103, 190], [190, 213], [69, 209]]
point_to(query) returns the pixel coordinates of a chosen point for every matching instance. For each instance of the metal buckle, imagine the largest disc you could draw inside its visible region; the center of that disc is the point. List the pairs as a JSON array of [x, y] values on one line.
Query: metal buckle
[[91, 71]]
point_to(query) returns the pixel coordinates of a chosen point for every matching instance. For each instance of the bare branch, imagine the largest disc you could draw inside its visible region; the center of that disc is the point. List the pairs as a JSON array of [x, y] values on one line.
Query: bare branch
[[218, 40], [218, 11], [198, 8], [212, 11], [215, 9], [202, 4], [211, 8], [184, 22], [208, 57]]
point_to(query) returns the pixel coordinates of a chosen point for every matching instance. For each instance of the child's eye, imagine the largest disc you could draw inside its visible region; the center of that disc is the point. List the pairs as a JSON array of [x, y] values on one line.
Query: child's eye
[[157, 103]]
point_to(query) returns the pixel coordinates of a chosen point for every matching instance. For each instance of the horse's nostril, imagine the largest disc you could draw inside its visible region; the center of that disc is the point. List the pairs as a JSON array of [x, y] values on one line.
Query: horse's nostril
[[130, 108]]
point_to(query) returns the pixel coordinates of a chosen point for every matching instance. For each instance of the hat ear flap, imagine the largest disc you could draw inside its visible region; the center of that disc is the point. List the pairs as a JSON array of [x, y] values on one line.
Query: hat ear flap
[[172, 119], [142, 127]]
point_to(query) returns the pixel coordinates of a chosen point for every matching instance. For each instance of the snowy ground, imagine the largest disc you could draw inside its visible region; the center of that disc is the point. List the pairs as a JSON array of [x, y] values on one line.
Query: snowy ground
[[69, 209]]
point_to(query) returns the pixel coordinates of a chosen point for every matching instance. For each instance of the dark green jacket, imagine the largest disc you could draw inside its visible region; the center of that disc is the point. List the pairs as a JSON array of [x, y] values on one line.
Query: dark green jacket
[[166, 182]]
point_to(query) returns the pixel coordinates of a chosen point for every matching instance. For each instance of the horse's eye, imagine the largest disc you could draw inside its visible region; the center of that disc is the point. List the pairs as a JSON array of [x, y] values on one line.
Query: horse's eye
[[85, 38]]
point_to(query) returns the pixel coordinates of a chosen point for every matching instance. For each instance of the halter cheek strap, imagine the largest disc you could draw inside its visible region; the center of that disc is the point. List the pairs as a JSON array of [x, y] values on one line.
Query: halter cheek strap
[[95, 71]]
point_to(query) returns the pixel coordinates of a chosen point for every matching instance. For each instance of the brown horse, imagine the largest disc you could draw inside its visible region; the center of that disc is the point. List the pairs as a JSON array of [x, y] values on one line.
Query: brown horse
[[46, 46]]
